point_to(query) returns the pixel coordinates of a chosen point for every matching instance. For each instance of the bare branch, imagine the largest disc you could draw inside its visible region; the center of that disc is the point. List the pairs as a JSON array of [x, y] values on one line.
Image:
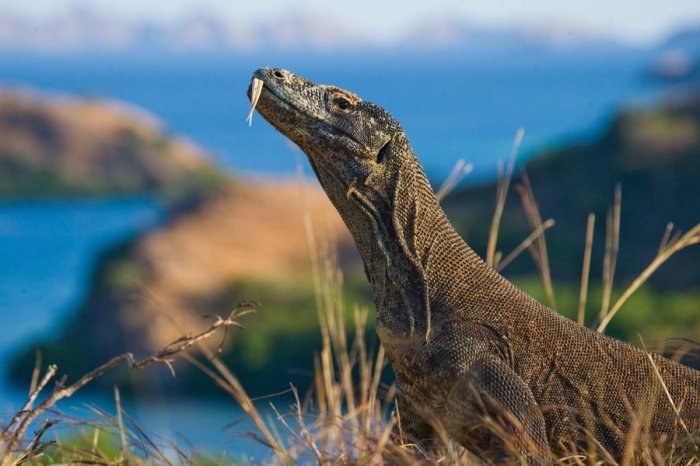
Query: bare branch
[[37, 446], [50, 372], [23, 418]]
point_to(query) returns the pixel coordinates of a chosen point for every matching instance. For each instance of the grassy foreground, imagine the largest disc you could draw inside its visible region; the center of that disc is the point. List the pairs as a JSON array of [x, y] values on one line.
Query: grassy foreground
[[348, 416]]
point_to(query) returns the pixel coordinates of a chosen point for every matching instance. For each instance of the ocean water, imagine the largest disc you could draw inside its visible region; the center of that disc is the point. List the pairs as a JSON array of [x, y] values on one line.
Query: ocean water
[[47, 252], [451, 106]]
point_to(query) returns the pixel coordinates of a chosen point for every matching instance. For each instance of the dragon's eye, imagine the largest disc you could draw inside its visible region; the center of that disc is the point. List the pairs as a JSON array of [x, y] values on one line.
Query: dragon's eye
[[342, 103]]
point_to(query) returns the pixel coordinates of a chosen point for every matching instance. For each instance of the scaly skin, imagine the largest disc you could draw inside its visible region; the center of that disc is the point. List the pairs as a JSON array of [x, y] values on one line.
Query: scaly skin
[[474, 356]]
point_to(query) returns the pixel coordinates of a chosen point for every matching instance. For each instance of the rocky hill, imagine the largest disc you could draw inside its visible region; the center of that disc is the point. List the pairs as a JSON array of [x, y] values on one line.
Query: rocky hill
[[52, 145]]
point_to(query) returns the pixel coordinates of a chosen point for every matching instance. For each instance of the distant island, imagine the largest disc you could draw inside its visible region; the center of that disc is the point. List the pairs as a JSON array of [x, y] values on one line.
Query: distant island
[[90, 29], [676, 60], [65, 146]]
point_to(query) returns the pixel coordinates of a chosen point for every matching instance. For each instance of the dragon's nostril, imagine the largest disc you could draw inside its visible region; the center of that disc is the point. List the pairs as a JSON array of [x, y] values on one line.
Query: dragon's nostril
[[278, 74]]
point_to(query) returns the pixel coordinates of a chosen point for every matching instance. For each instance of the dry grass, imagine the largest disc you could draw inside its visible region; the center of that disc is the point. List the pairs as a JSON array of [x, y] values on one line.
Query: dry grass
[[348, 417], [668, 248], [504, 180], [16, 449], [586, 270]]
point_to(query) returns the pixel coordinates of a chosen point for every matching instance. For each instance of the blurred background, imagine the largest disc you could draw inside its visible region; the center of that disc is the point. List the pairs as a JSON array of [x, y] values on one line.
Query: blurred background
[[134, 197]]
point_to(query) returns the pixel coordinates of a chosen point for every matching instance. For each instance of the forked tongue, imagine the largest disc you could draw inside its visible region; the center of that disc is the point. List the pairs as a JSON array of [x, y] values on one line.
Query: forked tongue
[[256, 87]]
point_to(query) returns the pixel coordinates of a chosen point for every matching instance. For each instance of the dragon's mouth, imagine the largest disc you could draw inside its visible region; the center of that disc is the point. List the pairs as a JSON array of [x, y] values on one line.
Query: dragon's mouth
[[258, 88]]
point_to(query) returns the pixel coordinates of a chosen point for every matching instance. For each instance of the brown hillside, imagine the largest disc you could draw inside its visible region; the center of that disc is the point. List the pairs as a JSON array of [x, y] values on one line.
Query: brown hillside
[[61, 145], [253, 230], [156, 289]]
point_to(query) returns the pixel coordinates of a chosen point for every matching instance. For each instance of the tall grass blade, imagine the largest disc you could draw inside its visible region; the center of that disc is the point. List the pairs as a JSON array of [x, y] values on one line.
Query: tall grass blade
[[538, 248], [586, 270], [612, 244], [459, 171], [688, 239], [501, 193]]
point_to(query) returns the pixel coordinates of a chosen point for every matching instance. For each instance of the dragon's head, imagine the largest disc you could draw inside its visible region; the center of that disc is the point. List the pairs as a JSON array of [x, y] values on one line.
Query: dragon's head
[[351, 144]]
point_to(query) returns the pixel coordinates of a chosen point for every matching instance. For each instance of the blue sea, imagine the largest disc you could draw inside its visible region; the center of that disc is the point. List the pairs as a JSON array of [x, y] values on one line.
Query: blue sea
[[452, 106]]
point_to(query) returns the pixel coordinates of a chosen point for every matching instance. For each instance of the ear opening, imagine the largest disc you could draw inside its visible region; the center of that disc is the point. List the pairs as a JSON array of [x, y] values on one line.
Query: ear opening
[[381, 155]]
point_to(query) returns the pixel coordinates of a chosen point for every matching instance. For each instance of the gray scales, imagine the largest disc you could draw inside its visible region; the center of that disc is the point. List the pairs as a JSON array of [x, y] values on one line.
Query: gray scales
[[503, 375]]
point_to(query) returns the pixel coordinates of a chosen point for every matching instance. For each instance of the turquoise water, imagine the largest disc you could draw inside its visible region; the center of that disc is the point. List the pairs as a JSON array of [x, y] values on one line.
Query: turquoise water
[[47, 250], [451, 106], [47, 253]]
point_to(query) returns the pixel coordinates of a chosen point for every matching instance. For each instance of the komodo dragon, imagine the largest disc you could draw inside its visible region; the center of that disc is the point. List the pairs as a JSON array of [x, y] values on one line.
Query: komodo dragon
[[503, 375]]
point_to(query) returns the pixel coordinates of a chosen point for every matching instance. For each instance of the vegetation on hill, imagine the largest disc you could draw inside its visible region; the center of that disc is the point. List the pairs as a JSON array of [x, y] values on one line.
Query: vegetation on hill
[[52, 146], [654, 156]]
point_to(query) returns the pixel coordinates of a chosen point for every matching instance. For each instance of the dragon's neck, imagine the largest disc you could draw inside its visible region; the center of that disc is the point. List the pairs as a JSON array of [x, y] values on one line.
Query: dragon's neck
[[413, 257]]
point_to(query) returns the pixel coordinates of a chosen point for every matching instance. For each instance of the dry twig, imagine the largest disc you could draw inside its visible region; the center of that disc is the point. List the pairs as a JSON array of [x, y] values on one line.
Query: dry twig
[[13, 434]]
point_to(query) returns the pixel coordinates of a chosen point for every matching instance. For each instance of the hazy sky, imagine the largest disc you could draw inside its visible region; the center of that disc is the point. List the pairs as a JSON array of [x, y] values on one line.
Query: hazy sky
[[631, 20]]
